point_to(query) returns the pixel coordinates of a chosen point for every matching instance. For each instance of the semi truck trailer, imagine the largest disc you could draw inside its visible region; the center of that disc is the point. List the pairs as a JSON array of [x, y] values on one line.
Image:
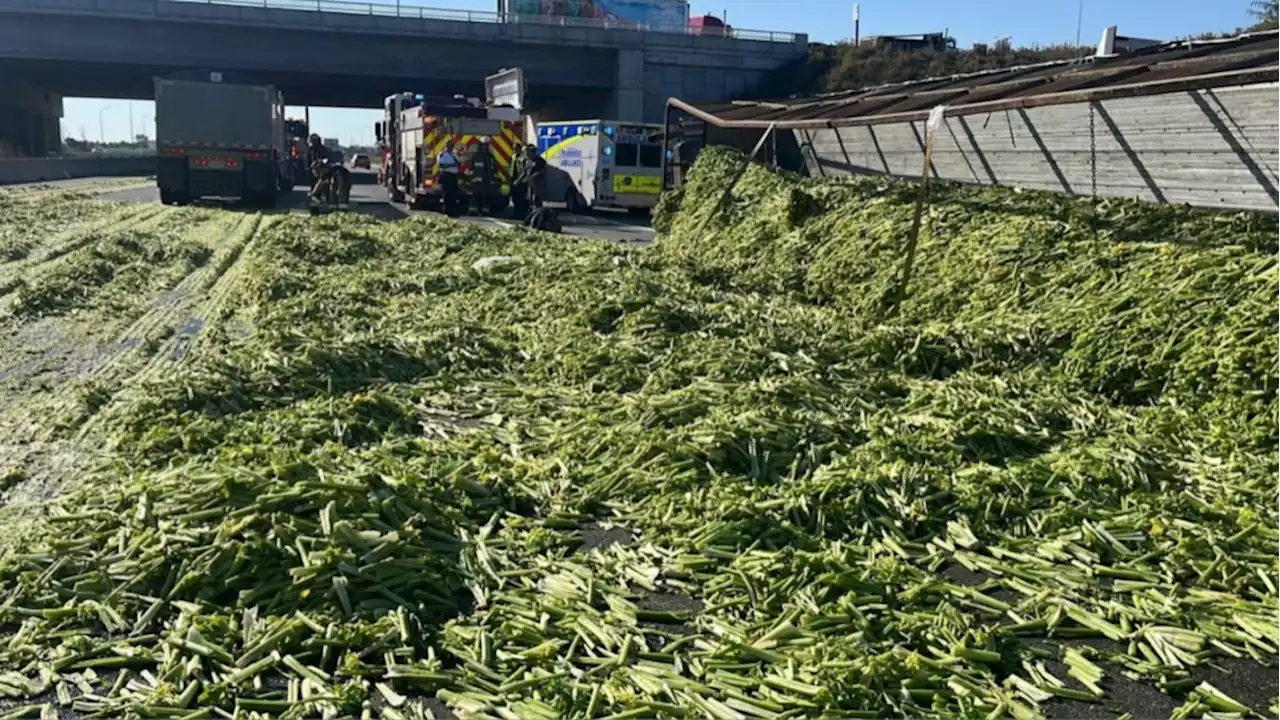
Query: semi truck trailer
[[220, 136]]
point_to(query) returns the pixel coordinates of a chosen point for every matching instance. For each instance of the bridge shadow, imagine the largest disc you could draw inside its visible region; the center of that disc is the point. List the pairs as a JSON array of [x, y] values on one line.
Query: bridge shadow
[[295, 202], [601, 218]]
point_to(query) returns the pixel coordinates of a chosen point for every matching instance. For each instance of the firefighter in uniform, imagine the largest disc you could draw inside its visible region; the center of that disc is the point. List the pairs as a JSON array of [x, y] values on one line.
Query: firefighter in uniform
[[535, 174], [484, 189], [519, 184], [450, 170], [324, 170]]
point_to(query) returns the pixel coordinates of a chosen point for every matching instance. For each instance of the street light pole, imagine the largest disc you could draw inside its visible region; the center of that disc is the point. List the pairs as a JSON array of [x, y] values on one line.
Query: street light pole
[[132, 137], [102, 135], [1079, 25]]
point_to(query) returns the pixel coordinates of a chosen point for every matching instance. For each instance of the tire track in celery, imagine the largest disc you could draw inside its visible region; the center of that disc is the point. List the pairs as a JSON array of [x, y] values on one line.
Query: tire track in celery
[[133, 340], [202, 297], [212, 311], [75, 238], [104, 364], [38, 444]]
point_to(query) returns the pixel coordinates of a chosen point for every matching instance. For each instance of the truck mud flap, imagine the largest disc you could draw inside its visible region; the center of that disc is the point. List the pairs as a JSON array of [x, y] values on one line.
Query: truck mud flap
[[259, 176], [171, 174]]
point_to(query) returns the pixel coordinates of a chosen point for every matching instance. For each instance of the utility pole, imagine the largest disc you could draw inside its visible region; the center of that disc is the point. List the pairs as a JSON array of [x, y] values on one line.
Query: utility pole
[[132, 137], [1079, 26], [857, 22], [102, 135]]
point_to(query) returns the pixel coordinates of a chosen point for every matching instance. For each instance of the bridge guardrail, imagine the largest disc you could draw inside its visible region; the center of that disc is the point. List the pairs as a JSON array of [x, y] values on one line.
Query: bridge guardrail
[[384, 9]]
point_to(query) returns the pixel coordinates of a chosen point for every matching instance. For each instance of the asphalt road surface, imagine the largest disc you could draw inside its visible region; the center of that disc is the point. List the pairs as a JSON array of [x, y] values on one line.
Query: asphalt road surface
[[369, 197]]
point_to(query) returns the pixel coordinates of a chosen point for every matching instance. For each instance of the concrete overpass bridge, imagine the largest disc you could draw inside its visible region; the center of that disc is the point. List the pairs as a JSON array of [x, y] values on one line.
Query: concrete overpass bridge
[[352, 54]]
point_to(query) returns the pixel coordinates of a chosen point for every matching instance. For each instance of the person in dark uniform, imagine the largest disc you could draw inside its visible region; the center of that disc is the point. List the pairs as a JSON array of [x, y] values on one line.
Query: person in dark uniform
[[519, 184], [326, 168], [535, 172], [484, 188], [450, 169]]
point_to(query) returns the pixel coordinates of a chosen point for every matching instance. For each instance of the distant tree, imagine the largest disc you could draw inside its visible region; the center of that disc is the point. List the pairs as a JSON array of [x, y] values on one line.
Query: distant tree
[[1265, 10], [865, 65], [845, 66]]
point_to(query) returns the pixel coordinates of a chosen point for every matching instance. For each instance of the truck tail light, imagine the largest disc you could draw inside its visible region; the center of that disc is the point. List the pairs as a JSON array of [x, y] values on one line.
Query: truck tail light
[[223, 162]]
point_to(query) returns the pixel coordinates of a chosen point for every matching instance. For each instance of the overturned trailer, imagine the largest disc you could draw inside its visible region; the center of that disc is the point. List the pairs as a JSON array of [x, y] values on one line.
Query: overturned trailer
[[1189, 122]]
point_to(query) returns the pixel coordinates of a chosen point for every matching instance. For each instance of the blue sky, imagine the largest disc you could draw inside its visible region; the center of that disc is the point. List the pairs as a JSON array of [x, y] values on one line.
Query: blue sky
[[1025, 22]]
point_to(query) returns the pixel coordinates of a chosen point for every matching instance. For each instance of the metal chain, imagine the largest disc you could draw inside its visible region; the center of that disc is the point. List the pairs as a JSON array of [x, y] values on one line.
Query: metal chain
[[1093, 156], [1093, 171]]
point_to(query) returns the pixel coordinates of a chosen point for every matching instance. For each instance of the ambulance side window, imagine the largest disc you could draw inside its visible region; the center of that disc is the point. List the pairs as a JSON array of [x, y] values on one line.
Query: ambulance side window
[[651, 156], [627, 155]]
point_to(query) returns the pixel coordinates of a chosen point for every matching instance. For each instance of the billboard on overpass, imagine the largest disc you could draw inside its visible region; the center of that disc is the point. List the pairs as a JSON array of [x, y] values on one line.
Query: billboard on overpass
[[651, 14]]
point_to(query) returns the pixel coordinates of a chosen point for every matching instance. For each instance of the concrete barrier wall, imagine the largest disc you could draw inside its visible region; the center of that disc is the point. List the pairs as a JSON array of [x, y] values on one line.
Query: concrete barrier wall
[[1210, 148], [30, 170]]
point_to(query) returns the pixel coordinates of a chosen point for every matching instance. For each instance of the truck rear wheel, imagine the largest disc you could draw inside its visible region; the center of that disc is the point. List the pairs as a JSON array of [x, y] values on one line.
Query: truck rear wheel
[[265, 199]]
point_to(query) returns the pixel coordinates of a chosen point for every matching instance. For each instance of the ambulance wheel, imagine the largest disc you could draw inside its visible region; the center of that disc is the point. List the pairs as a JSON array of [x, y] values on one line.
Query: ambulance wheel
[[572, 204]]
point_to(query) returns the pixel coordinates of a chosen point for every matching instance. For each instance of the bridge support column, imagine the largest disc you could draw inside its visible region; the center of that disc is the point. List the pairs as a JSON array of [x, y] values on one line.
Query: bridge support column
[[628, 98], [29, 119]]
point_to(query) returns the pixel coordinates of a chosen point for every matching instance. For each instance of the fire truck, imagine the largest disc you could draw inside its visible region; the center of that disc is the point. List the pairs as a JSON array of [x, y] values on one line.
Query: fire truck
[[414, 131]]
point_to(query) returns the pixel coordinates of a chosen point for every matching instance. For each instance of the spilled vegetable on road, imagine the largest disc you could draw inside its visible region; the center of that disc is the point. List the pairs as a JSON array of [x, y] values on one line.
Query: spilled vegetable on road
[[389, 476]]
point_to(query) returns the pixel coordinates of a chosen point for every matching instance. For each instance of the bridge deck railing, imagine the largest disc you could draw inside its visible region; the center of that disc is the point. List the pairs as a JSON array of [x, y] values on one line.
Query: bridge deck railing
[[387, 9]]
